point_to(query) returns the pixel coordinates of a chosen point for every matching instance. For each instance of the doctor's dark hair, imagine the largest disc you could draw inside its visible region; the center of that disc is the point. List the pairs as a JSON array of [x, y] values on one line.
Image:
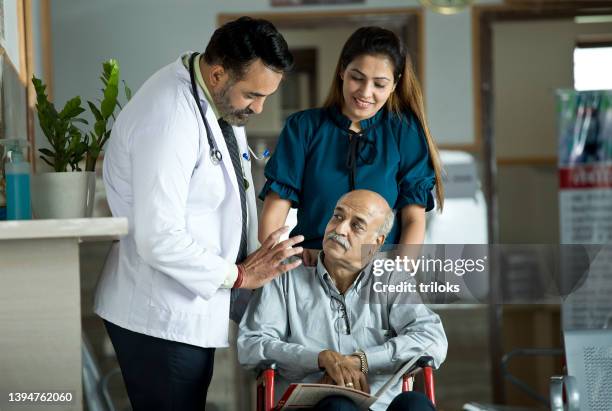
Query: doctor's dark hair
[[237, 43], [405, 99]]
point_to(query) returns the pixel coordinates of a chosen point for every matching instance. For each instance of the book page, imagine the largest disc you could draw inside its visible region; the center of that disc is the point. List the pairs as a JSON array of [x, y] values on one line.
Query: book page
[[399, 373], [308, 395]]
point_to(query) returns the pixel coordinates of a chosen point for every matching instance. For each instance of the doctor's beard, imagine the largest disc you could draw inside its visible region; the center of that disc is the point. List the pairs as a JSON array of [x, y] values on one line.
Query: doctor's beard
[[229, 113]]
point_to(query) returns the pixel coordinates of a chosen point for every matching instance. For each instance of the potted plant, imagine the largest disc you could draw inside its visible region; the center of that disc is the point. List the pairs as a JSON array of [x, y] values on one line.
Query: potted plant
[[103, 113], [68, 191]]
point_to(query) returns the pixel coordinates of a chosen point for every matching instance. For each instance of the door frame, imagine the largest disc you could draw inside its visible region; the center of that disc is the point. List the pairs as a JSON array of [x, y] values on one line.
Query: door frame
[[483, 19], [409, 23]]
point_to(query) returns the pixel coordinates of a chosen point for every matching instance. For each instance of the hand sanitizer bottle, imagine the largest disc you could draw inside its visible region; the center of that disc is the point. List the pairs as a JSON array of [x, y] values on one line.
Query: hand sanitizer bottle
[[17, 174], [2, 197]]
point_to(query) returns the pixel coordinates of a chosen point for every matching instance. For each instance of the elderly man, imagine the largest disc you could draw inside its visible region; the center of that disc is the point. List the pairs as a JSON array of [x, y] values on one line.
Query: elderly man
[[315, 325]]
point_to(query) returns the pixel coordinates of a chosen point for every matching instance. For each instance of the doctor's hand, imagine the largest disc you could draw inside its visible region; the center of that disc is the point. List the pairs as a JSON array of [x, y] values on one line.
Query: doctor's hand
[[266, 263]]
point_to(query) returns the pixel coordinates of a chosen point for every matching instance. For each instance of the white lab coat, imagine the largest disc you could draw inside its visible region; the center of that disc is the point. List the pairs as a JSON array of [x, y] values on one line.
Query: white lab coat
[[163, 278]]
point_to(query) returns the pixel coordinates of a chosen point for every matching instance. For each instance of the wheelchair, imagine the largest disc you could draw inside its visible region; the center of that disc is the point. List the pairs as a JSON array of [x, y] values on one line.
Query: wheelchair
[[265, 382]]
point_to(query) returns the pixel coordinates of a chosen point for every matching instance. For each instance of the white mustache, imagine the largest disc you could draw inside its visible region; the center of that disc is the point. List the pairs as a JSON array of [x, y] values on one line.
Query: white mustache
[[339, 239]]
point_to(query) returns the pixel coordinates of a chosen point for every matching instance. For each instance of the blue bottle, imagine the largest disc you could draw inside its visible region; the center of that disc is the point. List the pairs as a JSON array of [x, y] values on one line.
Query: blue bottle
[[2, 194], [17, 174]]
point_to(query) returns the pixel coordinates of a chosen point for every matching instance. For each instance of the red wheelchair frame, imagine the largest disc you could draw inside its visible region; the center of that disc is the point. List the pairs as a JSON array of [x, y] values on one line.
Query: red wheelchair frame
[[265, 382]]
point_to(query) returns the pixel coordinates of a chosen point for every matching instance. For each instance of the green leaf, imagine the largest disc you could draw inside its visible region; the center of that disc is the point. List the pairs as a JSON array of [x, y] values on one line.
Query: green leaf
[[111, 90], [72, 108], [108, 66], [103, 111], [47, 161], [105, 138], [95, 111], [100, 128], [46, 111], [47, 152], [128, 91]]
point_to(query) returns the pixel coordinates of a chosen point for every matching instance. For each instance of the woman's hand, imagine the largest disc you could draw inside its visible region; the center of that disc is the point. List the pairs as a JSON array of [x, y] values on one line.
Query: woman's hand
[[273, 215], [412, 220], [309, 257]]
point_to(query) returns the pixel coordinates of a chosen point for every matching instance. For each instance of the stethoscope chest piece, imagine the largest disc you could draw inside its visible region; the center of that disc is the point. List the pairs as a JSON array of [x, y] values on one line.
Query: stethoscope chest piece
[[215, 156]]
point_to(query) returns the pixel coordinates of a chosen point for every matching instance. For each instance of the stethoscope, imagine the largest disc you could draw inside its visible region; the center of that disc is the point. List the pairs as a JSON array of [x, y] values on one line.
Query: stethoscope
[[260, 157], [215, 155]]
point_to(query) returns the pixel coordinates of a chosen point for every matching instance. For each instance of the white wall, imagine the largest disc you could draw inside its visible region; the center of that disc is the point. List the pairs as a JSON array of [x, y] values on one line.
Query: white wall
[[448, 77], [525, 80], [11, 31], [525, 120], [144, 35], [13, 99], [328, 42], [36, 35]]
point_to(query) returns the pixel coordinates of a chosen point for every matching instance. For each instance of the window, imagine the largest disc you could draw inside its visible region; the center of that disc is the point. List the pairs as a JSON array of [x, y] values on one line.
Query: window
[[593, 67]]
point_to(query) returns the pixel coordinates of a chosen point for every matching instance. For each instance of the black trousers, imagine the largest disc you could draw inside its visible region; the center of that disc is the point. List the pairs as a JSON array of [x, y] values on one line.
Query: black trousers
[[406, 401], [162, 375]]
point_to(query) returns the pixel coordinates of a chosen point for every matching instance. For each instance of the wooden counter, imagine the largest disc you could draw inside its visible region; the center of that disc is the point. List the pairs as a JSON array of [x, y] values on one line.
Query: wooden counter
[[40, 311]]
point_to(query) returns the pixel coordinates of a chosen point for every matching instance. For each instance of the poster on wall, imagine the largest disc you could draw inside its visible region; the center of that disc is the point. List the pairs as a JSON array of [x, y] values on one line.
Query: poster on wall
[[282, 3], [585, 202], [585, 166]]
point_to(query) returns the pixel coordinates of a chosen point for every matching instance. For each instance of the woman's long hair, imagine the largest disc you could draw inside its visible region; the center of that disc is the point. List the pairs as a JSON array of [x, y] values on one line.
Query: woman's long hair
[[407, 96]]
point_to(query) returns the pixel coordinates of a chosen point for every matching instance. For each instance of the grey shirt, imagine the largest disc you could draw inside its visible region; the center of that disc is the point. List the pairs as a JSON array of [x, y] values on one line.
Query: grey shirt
[[301, 313]]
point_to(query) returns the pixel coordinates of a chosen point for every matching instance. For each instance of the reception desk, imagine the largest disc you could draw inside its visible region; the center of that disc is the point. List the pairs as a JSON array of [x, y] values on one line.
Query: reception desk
[[40, 311]]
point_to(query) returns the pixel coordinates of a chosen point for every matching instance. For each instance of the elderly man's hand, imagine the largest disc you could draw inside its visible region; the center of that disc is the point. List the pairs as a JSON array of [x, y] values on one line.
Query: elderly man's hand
[[326, 379], [341, 371]]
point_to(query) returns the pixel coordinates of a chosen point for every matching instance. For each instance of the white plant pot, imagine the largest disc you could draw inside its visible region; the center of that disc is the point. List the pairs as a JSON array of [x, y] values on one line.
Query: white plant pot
[[63, 195]]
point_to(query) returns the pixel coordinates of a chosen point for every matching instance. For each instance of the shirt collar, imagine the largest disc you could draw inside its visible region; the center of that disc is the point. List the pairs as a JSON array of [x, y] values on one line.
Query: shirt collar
[[328, 282], [200, 81], [344, 122]]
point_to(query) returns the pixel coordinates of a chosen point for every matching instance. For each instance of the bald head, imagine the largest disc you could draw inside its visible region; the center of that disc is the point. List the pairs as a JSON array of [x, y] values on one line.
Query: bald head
[[360, 218], [374, 205]]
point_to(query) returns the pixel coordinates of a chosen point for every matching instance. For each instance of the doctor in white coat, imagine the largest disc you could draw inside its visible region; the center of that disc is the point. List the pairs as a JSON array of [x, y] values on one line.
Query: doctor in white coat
[[174, 166]]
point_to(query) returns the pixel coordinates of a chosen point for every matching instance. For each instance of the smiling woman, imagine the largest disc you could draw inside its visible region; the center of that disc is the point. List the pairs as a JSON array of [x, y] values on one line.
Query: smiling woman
[[371, 133], [367, 83]]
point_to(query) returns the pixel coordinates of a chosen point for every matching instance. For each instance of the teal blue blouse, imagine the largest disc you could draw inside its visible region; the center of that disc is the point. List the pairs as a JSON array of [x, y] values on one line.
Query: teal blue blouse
[[311, 166]]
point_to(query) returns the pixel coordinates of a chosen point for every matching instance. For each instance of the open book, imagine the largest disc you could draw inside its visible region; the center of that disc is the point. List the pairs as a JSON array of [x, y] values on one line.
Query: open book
[[307, 395]]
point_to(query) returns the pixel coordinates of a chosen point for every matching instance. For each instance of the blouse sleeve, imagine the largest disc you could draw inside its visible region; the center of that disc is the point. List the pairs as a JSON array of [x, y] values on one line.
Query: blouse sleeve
[[285, 169], [416, 174]]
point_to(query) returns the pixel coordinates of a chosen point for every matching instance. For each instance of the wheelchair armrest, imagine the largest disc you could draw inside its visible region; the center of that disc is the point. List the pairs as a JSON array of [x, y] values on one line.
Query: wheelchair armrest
[[265, 366], [265, 386], [426, 364], [425, 361]]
